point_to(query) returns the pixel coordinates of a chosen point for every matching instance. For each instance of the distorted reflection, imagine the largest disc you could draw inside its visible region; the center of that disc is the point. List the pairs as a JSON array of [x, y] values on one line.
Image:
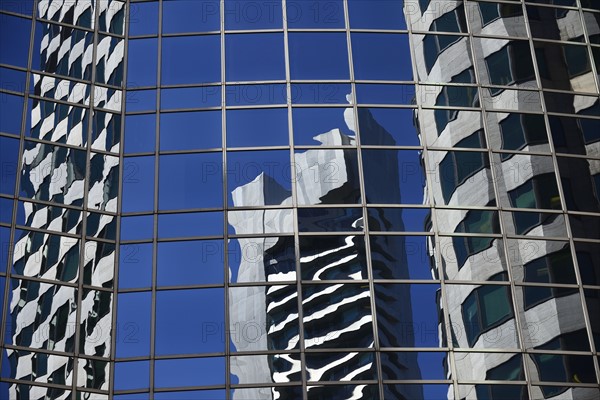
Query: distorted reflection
[[336, 315], [45, 316]]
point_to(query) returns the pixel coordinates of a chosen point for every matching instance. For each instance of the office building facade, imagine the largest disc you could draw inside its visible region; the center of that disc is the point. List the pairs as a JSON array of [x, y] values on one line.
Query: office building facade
[[336, 199]]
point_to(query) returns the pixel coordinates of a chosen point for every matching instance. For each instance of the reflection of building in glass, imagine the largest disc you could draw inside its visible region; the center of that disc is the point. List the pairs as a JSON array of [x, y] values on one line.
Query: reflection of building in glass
[[335, 315], [501, 308], [54, 308]]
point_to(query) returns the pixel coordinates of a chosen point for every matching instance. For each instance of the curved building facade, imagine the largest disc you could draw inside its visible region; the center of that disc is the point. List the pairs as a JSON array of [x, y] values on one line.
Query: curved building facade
[[299, 199]]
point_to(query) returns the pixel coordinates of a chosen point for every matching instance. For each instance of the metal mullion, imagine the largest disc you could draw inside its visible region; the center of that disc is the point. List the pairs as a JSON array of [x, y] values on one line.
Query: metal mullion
[[225, 200], [361, 177], [156, 205], [116, 265], [294, 181], [578, 278], [85, 210]]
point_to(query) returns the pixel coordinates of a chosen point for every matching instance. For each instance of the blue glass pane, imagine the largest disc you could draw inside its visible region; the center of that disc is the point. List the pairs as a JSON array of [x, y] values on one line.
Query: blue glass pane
[[190, 372], [9, 153], [138, 184], [318, 56], [4, 247], [191, 59], [259, 177], [133, 324], [12, 112], [259, 127], [376, 14], [315, 14], [142, 62], [201, 329], [190, 16], [143, 18], [255, 95], [190, 130], [6, 208], [135, 266], [140, 133], [243, 14], [132, 375], [140, 100], [385, 94], [197, 97], [312, 122], [380, 56], [12, 79], [254, 57], [24, 7], [14, 35], [195, 395], [189, 181], [190, 263], [404, 182], [190, 225], [321, 93], [392, 255], [388, 126], [137, 228]]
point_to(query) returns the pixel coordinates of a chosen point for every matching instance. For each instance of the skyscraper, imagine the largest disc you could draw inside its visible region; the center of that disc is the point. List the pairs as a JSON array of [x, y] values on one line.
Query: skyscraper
[[334, 199]]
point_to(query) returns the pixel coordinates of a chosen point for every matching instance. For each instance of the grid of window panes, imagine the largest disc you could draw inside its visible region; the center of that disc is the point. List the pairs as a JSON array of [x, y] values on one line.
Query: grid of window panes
[[282, 229], [61, 71]]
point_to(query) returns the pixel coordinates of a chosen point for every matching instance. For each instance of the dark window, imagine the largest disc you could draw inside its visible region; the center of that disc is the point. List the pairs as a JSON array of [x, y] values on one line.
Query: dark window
[[476, 221], [521, 130], [457, 167], [485, 308], [434, 45], [538, 192], [510, 65], [453, 21], [492, 11]]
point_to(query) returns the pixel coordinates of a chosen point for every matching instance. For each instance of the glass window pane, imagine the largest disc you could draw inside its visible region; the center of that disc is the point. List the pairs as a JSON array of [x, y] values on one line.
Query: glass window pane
[[190, 130], [12, 111], [369, 93], [138, 184], [135, 266], [190, 372], [196, 97], [189, 181], [182, 66], [137, 228], [260, 259], [321, 93], [333, 257], [143, 18], [190, 263], [190, 225], [388, 126], [327, 176], [312, 124], [318, 56], [142, 61], [315, 14], [190, 16], [140, 133], [140, 100], [379, 14], [14, 35], [257, 178], [254, 57], [132, 375], [258, 127], [201, 331], [133, 324], [242, 14], [9, 153], [330, 219], [380, 56]]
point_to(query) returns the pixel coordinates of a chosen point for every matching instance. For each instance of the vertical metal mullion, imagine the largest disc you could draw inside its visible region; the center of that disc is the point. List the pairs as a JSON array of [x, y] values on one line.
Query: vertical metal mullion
[[156, 204], [361, 175], [85, 211], [429, 180], [4, 301], [499, 207], [294, 178], [115, 291], [226, 277]]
